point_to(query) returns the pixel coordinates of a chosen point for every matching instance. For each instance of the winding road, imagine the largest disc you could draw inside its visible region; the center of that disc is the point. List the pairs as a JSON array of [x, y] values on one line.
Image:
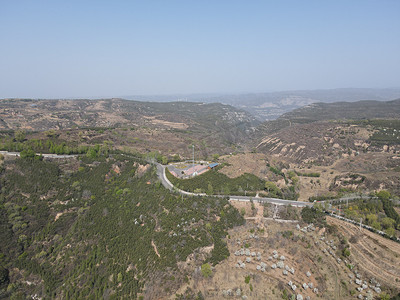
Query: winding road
[[167, 184]]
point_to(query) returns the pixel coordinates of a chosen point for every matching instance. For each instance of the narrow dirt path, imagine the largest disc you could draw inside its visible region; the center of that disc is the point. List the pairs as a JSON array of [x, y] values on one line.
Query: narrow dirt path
[[155, 248]]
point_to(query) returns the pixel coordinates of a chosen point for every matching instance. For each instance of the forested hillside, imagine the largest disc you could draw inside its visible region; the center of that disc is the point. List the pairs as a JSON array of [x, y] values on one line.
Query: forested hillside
[[100, 227]]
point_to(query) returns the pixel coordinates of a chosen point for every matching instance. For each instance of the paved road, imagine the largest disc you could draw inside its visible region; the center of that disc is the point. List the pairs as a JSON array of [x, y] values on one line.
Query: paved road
[[166, 183], [345, 199], [271, 200], [44, 155]]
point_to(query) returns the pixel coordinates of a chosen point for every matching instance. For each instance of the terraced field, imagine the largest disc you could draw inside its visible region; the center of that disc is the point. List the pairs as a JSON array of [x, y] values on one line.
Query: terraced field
[[374, 255]]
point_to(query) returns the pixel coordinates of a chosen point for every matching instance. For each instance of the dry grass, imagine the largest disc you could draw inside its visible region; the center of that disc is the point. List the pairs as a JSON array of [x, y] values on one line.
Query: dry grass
[[374, 255], [255, 163], [303, 252]]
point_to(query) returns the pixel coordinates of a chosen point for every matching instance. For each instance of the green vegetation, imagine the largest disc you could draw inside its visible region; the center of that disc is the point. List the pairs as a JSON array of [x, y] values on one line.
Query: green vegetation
[[287, 234], [308, 174], [390, 212], [346, 252], [53, 146], [289, 191], [323, 197], [190, 294], [313, 215], [4, 277], [351, 179], [214, 182], [387, 132], [272, 190], [276, 171], [247, 279], [101, 241], [377, 213], [292, 176], [206, 270], [396, 297]]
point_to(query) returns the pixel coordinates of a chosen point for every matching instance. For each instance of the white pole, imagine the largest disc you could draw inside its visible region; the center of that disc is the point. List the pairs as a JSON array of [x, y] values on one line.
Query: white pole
[[193, 159]]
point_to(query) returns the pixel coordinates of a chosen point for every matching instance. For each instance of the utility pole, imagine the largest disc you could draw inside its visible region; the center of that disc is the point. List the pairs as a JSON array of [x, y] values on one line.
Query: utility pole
[[360, 224], [193, 157]]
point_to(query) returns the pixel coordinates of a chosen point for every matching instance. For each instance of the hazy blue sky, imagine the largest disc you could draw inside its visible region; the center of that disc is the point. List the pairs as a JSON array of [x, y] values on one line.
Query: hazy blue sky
[[113, 48]]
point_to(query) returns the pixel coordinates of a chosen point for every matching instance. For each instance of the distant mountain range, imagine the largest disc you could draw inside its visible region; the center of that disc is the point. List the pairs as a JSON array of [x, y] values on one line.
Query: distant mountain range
[[271, 105], [366, 109]]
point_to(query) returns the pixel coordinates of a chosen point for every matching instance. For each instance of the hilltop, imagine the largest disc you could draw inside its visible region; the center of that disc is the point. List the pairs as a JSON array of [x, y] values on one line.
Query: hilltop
[[145, 126], [345, 110], [41, 115]]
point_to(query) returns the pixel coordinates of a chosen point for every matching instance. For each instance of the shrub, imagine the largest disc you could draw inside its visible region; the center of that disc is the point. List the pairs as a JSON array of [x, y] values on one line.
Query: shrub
[[206, 270], [247, 279], [312, 215]]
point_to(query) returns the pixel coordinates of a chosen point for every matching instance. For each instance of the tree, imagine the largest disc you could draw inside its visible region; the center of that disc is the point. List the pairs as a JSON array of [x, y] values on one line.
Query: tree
[[242, 211], [19, 135], [346, 252], [28, 153], [4, 276], [312, 215], [385, 296], [388, 223], [210, 189], [91, 153], [390, 231], [383, 195], [376, 225], [208, 226], [272, 188], [206, 270], [371, 218]]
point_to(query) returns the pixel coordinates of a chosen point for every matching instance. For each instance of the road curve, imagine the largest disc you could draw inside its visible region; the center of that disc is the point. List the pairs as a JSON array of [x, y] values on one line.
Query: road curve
[[167, 184]]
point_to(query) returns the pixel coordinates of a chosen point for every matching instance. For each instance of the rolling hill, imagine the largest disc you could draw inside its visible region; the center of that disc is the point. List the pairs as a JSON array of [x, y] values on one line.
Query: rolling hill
[[345, 111], [145, 126]]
